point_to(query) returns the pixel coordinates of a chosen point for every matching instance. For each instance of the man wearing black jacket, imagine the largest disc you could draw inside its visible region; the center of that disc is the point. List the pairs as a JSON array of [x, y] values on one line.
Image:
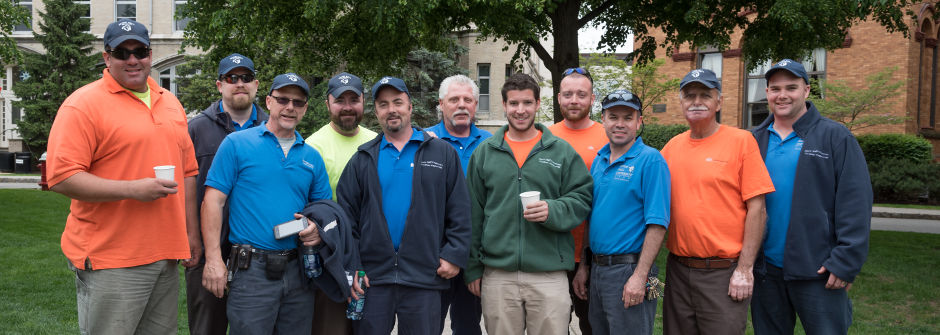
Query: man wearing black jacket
[[235, 111], [819, 218], [410, 209]]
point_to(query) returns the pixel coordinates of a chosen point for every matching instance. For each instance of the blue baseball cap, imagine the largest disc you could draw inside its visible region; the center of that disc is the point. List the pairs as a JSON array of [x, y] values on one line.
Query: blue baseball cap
[[395, 83], [703, 76], [622, 98], [288, 79], [343, 82], [235, 61], [125, 29], [791, 66]]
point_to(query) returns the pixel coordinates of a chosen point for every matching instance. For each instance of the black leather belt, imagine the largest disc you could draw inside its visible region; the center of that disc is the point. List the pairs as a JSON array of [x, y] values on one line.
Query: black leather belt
[[604, 260], [705, 263], [290, 253]]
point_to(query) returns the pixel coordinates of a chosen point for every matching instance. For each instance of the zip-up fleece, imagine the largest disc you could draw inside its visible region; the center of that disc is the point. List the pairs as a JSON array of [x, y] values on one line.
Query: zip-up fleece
[[207, 130], [830, 214], [437, 225], [501, 237]]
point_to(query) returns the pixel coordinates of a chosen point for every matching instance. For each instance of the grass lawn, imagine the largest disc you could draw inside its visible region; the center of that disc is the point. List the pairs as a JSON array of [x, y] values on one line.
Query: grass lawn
[[898, 291]]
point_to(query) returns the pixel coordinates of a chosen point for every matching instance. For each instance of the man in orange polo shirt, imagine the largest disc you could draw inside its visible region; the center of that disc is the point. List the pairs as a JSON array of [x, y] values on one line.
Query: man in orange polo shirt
[[717, 216], [126, 229], [576, 98]]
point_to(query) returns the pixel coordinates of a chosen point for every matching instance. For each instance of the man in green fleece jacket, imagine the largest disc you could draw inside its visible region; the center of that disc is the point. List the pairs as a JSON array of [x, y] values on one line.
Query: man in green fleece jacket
[[519, 256]]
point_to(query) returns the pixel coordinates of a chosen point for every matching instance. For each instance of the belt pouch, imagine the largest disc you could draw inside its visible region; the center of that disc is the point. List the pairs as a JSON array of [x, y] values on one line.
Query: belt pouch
[[274, 266]]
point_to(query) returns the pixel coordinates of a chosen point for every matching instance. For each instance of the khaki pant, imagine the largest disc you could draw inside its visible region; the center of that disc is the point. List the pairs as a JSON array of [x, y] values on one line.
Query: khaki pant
[[525, 302], [135, 300], [696, 301]]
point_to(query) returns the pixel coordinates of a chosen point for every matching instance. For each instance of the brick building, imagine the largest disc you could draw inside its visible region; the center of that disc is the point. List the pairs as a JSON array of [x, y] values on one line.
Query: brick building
[[867, 49]]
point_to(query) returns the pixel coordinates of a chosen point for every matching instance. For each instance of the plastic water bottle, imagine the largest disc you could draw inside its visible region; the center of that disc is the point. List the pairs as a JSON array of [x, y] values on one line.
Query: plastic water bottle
[[354, 310], [311, 260]]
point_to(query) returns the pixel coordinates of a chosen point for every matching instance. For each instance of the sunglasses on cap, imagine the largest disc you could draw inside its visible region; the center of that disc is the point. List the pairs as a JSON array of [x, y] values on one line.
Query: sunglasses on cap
[[285, 101], [124, 54], [578, 70], [621, 96], [233, 78]]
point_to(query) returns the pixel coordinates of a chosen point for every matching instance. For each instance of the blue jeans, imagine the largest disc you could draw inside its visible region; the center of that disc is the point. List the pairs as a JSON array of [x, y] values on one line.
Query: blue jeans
[[465, 308], [258, 305], [776, 302], [418, 311], [607, 314]]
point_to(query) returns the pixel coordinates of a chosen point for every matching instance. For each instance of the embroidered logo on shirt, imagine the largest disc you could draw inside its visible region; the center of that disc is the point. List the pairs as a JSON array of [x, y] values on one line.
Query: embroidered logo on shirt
[[307, 164], [329, 226], [624, 173], [816, 153], [550, 162], [432, 164]]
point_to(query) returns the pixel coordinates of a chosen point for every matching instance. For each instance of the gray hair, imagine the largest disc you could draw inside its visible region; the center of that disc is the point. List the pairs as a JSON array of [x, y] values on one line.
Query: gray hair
[[458, 79]]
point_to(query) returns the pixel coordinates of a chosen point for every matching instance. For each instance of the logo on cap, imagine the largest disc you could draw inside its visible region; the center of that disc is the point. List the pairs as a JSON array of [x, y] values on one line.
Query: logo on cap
[[696, 73], [344, 80], [783, 63], [384, 80], [235, 59], [126, 26], [292, 77]]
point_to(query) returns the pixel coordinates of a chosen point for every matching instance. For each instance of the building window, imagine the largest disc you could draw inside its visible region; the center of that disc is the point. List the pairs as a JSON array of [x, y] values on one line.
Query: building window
[[168, 79], [125, 9], [86, 11], [508, 70], [16, 114], [28, 27], [710, 58], [483, 80], [179, 23], [755, 106]]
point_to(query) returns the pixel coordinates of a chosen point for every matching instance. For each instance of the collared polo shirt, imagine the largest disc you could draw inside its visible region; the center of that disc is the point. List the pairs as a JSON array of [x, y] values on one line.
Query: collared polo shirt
[[782, 156], [264, 187], [396, 172], [248, 123], [463, 145], [629, 194]]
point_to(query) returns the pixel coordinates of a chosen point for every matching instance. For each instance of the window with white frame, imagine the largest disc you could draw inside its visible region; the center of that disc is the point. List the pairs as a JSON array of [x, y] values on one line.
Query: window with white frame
[[755, 103], [483, 80], [710, 58], [168, 79], [86, 10], [28, 27], [125, 9], [179, 23]]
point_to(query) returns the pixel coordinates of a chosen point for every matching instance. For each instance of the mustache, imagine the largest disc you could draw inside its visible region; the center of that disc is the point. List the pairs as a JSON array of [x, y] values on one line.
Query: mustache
[[698, 108], [462, 111]]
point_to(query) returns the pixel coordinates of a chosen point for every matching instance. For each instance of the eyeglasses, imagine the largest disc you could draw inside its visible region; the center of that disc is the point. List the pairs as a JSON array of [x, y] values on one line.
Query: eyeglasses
[[578, 70], [233, 78], [285, 101], [622, 96], [124, 54]]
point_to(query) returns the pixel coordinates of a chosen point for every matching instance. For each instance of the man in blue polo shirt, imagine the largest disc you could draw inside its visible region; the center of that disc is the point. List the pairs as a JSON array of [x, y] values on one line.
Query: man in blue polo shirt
[[627, 224], [816, 242], [406, 194], [459, 96], [266, 174]]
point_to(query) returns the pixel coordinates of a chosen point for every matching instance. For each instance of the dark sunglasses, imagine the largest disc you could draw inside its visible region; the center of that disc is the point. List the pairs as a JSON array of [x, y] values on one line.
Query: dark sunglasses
[[622, 96], [124, 54], [285, 101], [233, 78], [578, 70]]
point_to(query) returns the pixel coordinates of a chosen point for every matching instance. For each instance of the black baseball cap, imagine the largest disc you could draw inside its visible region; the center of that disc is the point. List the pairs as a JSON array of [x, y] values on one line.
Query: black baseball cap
[[125, 29], [395, 83], [288, 79], [235, 61], [343, 82]]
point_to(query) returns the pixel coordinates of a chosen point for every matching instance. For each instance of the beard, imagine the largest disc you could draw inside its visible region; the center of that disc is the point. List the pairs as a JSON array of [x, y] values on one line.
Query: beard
[[240, 102], [575, 115], [343, 121]]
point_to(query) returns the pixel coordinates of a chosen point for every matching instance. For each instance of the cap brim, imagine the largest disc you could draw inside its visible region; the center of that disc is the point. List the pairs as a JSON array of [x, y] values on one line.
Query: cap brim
[[227, 70], [277, 87], [697, 81], [771, 72], [121, 39], [375, 91], [336, 92], [621, 103]]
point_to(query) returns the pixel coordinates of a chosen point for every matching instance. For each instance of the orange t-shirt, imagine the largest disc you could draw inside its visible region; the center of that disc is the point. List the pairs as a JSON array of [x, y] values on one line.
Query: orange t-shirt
[[521, 149], [587, 142], [104, 130], [711, 180]]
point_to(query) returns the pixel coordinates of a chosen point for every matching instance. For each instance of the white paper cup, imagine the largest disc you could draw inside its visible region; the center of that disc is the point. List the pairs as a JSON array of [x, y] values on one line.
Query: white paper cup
[[528, 198], [164, 172]]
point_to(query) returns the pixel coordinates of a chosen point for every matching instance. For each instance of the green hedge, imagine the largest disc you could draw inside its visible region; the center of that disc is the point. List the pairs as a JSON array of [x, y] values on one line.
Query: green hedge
[[905, 181], [894, 147], [656, 135]]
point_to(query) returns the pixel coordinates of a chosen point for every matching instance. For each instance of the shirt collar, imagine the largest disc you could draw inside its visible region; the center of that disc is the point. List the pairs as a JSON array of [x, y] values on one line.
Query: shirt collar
[[416, 136]]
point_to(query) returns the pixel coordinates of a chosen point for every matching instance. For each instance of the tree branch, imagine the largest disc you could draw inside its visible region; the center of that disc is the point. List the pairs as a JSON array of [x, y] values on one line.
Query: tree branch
[[594, 13], [542, 53]]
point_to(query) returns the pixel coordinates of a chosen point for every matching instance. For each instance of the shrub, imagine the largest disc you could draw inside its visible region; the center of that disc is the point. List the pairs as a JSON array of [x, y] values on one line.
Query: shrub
[[656, 135], [893, 147], [905, 181]]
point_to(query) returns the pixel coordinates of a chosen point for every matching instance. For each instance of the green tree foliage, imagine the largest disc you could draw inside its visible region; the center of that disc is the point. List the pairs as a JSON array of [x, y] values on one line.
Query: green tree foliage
[[11, 14], [68, 64], [369, 36], [643, 80], [859, 108]]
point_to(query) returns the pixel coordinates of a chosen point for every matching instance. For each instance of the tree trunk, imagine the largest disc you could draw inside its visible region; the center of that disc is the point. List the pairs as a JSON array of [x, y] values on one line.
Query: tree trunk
[[565, 51]]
